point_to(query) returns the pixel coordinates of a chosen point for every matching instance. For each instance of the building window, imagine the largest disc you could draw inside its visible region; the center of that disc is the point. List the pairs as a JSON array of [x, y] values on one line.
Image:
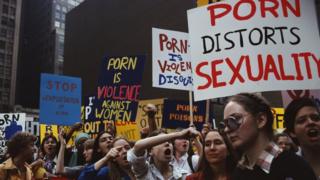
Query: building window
[[4, 20], [63, 16], [57, 24], [5, 9], [1, 58], [62, 25], [3, 33], [57, 15], [11, 23], [13, 1], [2, 44], [10, 34], [12, 11], [58, 7], [64, 9]]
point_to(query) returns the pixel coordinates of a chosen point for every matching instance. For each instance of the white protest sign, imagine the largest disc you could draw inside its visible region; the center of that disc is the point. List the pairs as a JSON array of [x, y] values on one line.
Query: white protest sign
[[171, 60], [252, 46], [10, 123]]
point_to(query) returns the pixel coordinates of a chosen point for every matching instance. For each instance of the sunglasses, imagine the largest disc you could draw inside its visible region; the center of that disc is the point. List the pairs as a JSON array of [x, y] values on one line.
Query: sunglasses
[[232, 122]]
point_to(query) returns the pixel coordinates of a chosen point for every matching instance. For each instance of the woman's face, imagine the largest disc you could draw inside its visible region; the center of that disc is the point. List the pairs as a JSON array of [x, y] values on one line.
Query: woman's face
[[307, 127], [215, 149], [87, 154], [50, 147], [247, 131], [122, 158], [105, 143], [162, 152]]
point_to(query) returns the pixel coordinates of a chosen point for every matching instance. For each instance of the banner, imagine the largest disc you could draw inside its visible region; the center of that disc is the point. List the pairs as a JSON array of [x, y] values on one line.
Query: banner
[[171, 63], [177, 114], [288, 96], [142, 118], [253, 46], [60, 99], [10, 123]]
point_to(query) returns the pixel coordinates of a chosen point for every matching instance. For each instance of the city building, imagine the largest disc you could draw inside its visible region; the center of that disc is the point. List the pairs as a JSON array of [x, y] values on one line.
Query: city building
[[42, 37], [10, 16]]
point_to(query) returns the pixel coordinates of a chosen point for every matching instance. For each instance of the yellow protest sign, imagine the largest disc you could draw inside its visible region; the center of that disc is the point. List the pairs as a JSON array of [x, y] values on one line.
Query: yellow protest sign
[[51, 129], [128, 130], [278, 122], [142, 119]]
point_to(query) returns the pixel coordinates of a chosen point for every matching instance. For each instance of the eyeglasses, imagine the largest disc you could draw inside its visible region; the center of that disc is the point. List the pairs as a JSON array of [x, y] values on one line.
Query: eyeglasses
[[313, 117], [232, 122]]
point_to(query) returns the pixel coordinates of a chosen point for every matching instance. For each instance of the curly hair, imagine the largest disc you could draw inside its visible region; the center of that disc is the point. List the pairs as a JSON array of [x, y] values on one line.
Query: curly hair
[[18, 142], [255, 104]]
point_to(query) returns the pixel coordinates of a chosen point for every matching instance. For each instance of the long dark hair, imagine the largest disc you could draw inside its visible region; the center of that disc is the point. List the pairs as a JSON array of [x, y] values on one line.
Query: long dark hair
[[97, 155], [114, 166], [54, 139], [205, 170]]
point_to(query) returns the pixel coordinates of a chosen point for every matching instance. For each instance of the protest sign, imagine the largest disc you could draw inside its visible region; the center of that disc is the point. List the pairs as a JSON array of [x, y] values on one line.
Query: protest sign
[[142, 118], [171, 63], [10, 123], [119, 87], [47, 129], [290, 95], [60, 99], [252, 46], [278, 122], [176, 114], [128, 129]]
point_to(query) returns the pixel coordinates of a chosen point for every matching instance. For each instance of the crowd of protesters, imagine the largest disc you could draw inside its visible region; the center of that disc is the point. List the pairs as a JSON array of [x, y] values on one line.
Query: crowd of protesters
[[243, 147]]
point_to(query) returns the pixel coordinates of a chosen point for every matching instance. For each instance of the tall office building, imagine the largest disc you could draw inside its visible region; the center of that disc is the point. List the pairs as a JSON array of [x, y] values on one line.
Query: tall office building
[[10, 17], [42, 45]]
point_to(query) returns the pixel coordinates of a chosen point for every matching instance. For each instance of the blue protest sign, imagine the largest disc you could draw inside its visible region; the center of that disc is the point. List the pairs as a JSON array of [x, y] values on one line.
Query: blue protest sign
[[177, 114], [60, 99]]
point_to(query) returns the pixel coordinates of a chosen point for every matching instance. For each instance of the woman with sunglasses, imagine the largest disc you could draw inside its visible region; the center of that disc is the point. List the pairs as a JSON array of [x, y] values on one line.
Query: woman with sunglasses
[[217, 163], [248, 124], [302, 119]]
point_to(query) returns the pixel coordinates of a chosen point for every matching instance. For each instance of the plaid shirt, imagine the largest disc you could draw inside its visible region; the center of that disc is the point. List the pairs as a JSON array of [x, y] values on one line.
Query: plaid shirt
[[265, 159]]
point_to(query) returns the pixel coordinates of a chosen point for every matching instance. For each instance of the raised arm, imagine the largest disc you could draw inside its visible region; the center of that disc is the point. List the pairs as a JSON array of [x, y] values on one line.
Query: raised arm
[[60, 163], [143, 144]]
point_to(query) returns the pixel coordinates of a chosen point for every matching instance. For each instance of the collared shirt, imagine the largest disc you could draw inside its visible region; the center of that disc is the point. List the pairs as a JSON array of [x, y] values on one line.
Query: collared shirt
[[265, 158], [183, 163], [10, 171], [145, 171]]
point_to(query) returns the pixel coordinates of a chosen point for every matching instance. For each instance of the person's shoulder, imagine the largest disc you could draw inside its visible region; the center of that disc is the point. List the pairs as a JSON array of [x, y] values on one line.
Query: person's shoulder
[[288, 164]]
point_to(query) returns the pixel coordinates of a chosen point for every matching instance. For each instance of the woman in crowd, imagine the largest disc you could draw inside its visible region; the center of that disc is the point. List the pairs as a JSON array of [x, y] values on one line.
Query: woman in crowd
[[248, 124], [102, 145], [284, 142], [302, 119], [161, 151], [20, 149], [49, 148], [75, 171], [114, 165], [184, 157], [216, 162]]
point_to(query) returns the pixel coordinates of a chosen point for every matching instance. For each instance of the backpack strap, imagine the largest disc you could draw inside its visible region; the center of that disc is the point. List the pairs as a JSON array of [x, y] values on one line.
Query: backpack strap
[[189, 159]]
